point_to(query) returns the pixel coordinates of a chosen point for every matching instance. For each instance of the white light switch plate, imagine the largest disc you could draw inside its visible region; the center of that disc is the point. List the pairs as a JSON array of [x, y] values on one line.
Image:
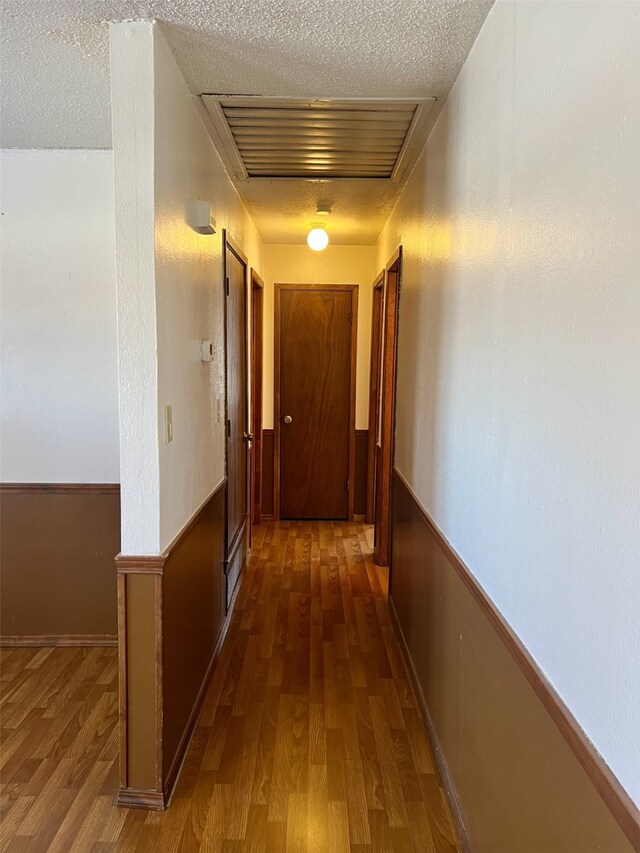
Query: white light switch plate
[[168, 424]]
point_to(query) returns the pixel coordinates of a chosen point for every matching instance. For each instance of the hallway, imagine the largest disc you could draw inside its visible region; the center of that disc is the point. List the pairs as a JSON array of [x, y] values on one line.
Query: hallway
[[309, 738]]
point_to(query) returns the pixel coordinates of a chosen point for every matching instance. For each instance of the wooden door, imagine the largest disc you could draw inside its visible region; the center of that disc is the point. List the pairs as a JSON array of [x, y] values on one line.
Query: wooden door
[[237, 426], [375, 390], [315, 400], [257, 290], [387, 414]]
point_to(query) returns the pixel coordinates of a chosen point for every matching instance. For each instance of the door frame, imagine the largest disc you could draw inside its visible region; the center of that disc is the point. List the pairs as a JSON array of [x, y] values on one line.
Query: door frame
[[278, 288], [257, 336], [377, 306], [230, 547], [386, 443]]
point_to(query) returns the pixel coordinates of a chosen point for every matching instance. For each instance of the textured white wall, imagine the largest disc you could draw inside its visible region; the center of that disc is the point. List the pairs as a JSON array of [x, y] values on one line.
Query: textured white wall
[[59, 388], [132, 110], [518, 419], [189, 295], [334, 265], [170, 289]]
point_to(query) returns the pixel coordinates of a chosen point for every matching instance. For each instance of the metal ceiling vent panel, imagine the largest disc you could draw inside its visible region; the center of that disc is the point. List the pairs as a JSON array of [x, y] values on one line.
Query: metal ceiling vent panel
[[261, 137]]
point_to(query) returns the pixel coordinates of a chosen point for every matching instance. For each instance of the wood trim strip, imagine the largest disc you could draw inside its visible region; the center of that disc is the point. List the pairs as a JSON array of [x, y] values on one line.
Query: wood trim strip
[[159, 682], [604, 780], [441, 762], [277, 381], [235, 248], [122, 679], [59, 488], [397, 255], [352, 402], [58, 640], [142, 565]]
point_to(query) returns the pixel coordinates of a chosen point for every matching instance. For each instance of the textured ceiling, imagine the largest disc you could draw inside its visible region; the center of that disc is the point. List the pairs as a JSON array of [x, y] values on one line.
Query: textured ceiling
[[55, 65]]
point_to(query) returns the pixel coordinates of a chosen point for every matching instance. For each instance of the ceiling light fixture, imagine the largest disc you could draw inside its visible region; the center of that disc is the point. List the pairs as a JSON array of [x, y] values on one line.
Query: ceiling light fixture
[[317, 239]]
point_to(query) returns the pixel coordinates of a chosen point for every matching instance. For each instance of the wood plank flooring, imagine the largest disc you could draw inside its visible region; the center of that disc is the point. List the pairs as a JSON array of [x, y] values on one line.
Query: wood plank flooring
[[309, 738]]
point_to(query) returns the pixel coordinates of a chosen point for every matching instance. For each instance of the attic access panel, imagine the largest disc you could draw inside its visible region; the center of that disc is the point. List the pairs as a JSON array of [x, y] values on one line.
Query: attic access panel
[[260, 137]]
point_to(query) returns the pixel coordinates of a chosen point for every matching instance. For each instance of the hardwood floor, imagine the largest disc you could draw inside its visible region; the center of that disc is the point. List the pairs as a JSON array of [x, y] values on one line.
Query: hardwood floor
[[309, 738]]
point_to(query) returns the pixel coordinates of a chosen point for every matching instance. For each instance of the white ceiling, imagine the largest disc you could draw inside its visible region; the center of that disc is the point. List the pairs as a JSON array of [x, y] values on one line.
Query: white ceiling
[[55, 76]]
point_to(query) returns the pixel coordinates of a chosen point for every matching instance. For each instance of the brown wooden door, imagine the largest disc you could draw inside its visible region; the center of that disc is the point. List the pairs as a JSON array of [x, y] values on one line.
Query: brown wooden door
[[315, 390], [257, 290], [374, 394], [237, 426], [384, 451]]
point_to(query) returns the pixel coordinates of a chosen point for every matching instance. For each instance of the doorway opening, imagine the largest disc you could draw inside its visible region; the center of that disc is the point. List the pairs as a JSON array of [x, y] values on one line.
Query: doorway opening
[[315, 343], [238, 436], [257, 332], [377, 306], [383, 393]]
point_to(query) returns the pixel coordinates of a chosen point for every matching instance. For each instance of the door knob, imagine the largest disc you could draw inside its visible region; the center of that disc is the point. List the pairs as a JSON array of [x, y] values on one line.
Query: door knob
[[248, 436], [287, 419]]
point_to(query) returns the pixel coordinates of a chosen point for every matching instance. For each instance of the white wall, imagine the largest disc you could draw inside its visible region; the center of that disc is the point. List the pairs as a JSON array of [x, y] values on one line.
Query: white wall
[[170, 289], [190, 294], [59, 389], [335, 265], [518, 420]]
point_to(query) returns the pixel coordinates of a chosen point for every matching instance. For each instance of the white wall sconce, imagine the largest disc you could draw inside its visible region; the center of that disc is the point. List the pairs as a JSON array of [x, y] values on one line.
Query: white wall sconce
[[200, 219]]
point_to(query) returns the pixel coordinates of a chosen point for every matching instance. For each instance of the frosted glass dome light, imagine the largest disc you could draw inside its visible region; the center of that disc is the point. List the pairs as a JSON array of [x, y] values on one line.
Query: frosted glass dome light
[[317, 239]]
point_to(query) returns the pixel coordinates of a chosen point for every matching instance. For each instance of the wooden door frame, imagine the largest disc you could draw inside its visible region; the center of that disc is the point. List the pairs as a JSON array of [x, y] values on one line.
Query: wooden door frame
[[229, 243], [277, 307], [384, 479], [374, 384], [257, 335]]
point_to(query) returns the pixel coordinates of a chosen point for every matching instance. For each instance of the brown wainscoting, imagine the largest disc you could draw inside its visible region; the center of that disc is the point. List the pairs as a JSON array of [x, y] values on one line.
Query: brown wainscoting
[[57, 544], [171, 627], [360, 495], [522, 772]]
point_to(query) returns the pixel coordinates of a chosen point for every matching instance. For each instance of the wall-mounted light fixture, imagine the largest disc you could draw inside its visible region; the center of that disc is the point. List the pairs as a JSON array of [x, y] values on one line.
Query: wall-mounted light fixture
[[200, 219], [317, 238]]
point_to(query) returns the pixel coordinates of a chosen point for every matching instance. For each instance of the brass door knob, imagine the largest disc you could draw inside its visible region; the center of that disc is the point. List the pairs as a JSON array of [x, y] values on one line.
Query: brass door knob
[[287, 419]]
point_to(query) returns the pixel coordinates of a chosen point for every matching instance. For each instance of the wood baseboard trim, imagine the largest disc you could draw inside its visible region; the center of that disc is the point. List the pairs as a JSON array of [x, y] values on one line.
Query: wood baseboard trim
[[267, 517], [181, 752], [617, 800], [59, 488], [141, 798], [38, 641], [441, 762]]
